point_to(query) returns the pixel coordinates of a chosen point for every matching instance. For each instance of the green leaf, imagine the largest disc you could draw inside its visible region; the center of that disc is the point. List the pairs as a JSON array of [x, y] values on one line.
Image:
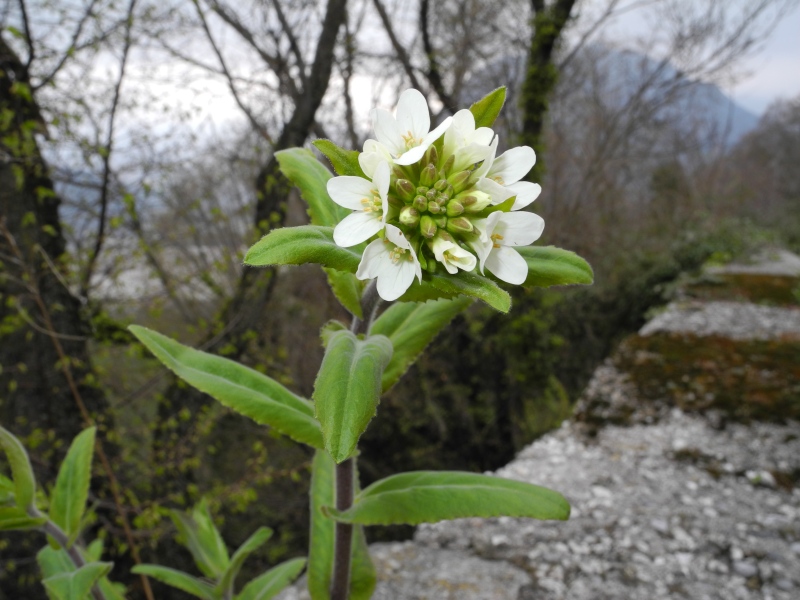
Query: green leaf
[[271, 583], [68, 500], [201, 537], [303, 169], [487, 108], [13, 517], [21, 470], [6, 490], [320, 557], [244, 390], [76, 585], [177, 579], [548, 265], [328, 329], [347, 289], [251, 544], [431, 496], [348, 388], [411, 327], [466, 284], [300, 245], [53, 562], [344, 162]]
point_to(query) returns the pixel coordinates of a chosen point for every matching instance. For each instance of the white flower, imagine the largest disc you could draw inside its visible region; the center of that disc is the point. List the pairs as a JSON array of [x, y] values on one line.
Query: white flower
[[369, 200], [500, 178], [374, 154], [469, 145], [499, 233], [406, 136], [393, 261], [452, 256]]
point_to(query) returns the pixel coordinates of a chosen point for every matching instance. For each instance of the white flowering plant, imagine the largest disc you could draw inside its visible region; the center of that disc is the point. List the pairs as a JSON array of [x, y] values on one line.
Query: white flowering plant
[[420, 223]]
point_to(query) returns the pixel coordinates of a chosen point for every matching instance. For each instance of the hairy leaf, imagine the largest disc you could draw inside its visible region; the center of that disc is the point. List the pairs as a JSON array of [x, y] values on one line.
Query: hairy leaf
[[411, 327], [177, 579], [487, 108], [13, 517], [344, 162], [240, 388], [548, 265], [251, 544], [21, 470], [347, 289], [348, 388], [68, 501], [303, 169], [431, 496], [440, 285], [300, 245], [76, 585], [271, 583], [197, 531]]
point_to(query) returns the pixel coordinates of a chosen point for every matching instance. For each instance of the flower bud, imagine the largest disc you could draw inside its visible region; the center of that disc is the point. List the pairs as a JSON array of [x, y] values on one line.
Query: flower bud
[[432, 155], [442, 198], [459, 225], [474, 201], [428, 175], [449, 163], [440, 185], [399, 172], [431, 195], [441, 221], [422, 190], [409, 216], [427, 227], [420, 203], [405, 189], [433, 207], [454, 208], [460, 180], [395, 202]]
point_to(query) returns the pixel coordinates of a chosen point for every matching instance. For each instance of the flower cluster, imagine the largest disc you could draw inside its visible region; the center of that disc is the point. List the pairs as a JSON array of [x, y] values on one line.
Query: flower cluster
[[436, 199]]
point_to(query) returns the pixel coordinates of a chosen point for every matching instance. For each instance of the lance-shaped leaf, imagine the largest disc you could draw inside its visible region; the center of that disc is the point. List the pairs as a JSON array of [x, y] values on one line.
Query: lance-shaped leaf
[[240, 388], [347, 288], [348, 388], [303, 169], [196, 531], [52, 562], [177, 579], [441, 285], [411, 327], [548, 265], [6, 490], [271, 583], [13, 517], [487, 108], [21, 471], [68, 501], [76, 585], [251, 544], [431, 496], [320, 556], [300, 245], [344, 162]]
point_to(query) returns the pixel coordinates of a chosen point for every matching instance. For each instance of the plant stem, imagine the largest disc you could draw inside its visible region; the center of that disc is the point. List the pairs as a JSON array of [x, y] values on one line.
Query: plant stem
[[345, 471], [74, 552], [340, 587]]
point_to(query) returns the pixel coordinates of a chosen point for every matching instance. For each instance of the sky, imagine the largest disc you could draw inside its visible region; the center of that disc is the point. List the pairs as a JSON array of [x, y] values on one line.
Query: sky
[[775, 71]]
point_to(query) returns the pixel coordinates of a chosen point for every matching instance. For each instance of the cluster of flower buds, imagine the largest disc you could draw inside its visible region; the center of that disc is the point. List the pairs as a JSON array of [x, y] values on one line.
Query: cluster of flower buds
[[436, 200]]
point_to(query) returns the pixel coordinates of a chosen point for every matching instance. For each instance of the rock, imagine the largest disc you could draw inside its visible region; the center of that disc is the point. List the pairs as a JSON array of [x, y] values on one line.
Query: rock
[[745, 568]]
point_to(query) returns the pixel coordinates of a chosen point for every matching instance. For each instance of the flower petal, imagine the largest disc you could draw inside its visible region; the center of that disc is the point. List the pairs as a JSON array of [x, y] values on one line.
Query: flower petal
[[467, 156], [411, 156], [497, 192], [513, 164], [483, 135], [388, 131], [486, 165], [375, 256], [519, 228], [437, 133], [393, 282], [357, 227], [526, 193], [508, 265], [412, 114], [374, 153], [348, 191]]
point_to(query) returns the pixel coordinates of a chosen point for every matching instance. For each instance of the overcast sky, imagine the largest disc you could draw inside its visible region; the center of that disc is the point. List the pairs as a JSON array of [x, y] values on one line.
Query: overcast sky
[[775, 71]]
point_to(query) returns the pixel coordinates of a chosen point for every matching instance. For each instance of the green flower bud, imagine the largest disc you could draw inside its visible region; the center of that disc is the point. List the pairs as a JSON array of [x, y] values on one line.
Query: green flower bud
[[474, 201], [460, 180], [395, 202], [442, 198], [449, 164], [432, 155], [405, 189], [434, 207], [459, 225], [422, 190], [420, 203], [441, 221], [440, 185], [431, 195], [427, 227], [428, 175], [454, 208], [409, 216], [399, 172]]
